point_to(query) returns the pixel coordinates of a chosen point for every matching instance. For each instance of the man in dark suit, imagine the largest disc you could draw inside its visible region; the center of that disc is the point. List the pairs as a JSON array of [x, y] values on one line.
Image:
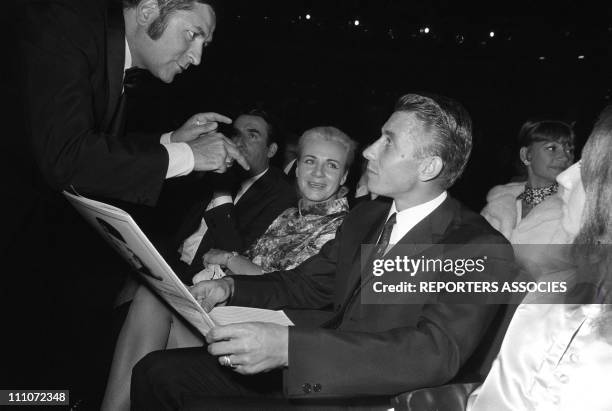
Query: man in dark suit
[[232, 219], [75, 54], [363, 349]]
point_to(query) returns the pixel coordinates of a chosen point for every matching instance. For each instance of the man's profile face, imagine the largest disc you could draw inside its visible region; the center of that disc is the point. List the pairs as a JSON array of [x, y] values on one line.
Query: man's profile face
[[392, 168], [180, 45], [252, 140]]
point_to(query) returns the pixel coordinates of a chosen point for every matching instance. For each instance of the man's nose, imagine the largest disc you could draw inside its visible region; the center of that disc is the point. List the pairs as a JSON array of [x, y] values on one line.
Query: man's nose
[[369, 151], [195, 53]]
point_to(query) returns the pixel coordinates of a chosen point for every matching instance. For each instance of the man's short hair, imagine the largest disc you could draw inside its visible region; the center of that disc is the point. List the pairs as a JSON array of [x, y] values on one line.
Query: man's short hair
[[166, 8], [330, 134], [452, 131]]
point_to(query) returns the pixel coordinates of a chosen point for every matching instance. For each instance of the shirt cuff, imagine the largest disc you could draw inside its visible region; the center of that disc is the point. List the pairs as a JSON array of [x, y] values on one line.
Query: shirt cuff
[[180, 159], [165, 138], [215, 202]]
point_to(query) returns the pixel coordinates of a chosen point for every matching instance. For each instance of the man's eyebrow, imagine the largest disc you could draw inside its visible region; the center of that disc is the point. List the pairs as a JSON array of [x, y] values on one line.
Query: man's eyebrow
[[200, 31]]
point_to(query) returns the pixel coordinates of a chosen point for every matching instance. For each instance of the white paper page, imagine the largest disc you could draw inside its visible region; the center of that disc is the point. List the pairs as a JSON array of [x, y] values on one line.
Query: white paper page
[[231, 315]]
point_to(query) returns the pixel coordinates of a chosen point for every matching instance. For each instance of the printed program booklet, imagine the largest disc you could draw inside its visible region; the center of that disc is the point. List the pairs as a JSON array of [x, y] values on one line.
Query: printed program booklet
[[123, 234]]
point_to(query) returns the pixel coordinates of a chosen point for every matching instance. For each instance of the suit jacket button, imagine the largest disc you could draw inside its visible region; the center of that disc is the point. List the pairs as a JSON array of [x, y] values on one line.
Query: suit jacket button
[[307, 388], [317, 387]]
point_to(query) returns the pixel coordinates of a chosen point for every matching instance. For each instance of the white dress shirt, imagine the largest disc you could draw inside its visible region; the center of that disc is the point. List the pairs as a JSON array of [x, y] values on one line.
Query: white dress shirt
[[180, 155], [191, 244], [408, 218], [290, 164]]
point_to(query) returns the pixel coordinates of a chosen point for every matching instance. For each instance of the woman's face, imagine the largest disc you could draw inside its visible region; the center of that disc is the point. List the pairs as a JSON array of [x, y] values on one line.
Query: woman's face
[[321, 169], [545, 160], [573, 196]]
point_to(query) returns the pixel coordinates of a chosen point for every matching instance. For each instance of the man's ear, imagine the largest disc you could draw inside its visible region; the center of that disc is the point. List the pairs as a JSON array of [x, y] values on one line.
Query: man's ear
[[272, 149], [146, 12], [430, 168], [525, 155]]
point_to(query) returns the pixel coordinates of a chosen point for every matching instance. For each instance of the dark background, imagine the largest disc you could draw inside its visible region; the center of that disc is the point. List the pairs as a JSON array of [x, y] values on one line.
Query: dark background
[[57, 287], [327, 71]]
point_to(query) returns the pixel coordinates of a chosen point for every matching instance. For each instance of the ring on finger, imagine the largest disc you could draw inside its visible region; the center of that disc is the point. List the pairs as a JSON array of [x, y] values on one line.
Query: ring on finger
[[226, 361]]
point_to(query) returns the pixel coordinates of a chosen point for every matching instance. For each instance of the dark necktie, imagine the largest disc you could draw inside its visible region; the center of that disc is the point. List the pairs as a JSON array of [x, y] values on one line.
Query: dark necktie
[[130, 79], [379, 251], [383, 241]]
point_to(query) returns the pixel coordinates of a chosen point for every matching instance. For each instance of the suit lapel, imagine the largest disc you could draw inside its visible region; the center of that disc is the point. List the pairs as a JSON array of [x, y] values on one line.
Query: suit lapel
[[115, 60], [259, 186], [365, 233], [242, 207], [428, 231]]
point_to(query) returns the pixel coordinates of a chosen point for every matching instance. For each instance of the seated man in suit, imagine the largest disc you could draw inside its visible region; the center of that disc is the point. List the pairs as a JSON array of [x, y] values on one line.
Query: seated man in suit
[[363, 349], [232, 219]]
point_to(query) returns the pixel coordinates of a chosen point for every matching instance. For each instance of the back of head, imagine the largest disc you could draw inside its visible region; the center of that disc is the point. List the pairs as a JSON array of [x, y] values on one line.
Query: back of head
[[596, 172], [452, 130], [593, 242]]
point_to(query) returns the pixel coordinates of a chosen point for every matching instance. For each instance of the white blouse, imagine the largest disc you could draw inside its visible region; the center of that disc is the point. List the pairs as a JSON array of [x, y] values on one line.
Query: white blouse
[[553, 357]]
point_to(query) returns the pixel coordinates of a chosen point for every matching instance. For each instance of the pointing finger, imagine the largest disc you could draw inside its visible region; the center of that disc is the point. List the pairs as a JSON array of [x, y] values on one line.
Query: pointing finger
[[204, 128], [212, 117]]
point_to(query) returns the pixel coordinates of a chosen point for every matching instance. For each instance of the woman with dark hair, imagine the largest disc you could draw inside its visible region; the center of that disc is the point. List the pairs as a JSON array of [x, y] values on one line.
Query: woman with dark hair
[[546, 149], [559, 356]]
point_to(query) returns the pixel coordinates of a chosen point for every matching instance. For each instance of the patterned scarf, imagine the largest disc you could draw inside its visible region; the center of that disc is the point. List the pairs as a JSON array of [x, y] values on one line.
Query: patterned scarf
[[534, 196]]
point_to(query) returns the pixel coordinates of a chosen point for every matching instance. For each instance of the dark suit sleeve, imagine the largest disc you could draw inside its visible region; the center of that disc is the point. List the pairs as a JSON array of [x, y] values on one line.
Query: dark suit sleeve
[[350, 363], [222, 222], [308, 286], [61, 56]]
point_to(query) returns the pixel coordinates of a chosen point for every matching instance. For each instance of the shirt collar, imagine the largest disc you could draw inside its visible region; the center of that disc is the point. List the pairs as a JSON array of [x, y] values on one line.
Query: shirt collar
[[128, 57], [246, 184], [408, 218], [252, 180]]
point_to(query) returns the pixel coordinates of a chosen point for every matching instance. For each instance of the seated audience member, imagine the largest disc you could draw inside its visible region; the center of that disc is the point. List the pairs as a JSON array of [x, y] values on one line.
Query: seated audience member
[[363, 349], [518, 210], [559, 356], [233, 221], [325, 155]]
